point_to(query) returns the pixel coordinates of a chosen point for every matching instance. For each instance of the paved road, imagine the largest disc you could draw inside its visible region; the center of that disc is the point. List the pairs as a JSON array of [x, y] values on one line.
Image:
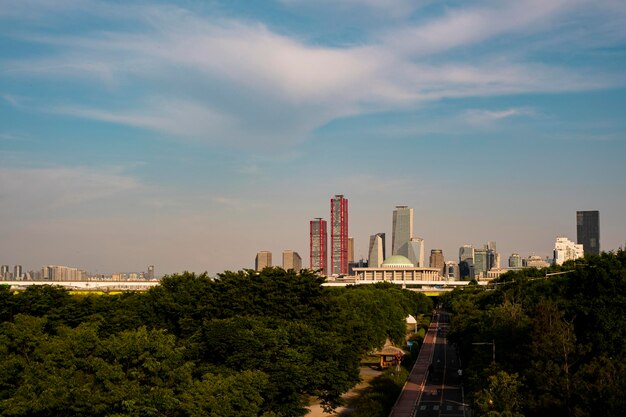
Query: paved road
[[442, 394]]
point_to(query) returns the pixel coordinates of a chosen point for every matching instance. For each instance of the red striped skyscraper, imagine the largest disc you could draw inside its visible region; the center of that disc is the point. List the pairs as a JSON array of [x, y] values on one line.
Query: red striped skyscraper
[[338, 235], [318, 246]]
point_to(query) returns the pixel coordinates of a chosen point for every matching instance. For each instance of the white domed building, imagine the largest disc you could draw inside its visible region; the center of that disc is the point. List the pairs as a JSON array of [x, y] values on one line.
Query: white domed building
[[397, 269]]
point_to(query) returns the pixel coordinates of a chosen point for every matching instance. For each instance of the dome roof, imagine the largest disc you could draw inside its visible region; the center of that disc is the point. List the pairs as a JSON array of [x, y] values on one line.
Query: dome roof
[[397, 260]]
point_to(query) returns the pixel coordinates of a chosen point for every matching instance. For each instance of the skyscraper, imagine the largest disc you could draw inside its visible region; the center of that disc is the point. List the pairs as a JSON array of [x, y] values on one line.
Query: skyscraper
[[402, 230], [466, 261], [263, 260], [588, 231], [318, 245], [436, 259], [416, 251], [481, 262], [150, 272], [17, 272], [291, 260], [376, 251], [338, 235]]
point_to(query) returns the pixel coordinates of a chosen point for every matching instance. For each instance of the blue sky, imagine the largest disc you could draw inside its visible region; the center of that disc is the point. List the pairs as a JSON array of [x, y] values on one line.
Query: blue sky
[[192, 134]]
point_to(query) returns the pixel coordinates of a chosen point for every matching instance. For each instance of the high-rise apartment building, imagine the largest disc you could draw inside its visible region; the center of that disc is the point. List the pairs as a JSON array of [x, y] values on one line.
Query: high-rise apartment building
[[565, 250], [588, 231], [402, 231], [17, 272], [62, 273], [263, 260], [376, 251], [291, 260], [436, 259], [318, 246], [338, 235], [150, 272], [4, 272]]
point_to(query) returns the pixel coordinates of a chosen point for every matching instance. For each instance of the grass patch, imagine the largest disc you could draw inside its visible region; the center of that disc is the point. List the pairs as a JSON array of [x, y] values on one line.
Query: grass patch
[[378, 399]]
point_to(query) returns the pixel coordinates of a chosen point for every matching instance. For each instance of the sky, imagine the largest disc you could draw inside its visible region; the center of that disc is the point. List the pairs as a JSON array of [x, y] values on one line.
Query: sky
[[190, 135]]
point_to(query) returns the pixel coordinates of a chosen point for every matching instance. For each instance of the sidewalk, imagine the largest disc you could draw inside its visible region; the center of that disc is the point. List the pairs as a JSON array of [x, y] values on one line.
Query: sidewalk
[[414, 386]]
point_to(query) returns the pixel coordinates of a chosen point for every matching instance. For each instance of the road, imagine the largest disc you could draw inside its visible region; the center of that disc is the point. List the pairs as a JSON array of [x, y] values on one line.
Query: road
[[443, 393]]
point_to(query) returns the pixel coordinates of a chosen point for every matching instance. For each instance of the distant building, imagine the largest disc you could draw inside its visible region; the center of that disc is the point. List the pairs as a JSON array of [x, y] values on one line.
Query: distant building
[[565, 250], [534, 261], [318, 246], [402, 231], [397, 269], [376, 252], [466, 261], [515, 260], [150, 272], [588, 231], [361, 263], [62, 273], [263, 260], [481, 262], [17, 272], [292, 260], [350, 250], [451, 271], [4, 272], [436, 259], [339, 235], [416, 251]]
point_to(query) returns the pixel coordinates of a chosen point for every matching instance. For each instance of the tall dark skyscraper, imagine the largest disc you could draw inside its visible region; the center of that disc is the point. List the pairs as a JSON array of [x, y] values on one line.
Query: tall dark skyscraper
[[588, 231], [318, 248], [338, 235]]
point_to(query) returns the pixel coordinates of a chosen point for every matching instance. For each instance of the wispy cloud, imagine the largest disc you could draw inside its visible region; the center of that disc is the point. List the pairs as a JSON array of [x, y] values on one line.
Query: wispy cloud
[[224, 80], [486, 117]]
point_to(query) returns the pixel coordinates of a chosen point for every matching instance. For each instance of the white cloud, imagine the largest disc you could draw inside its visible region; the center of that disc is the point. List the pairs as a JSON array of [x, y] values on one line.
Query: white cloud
[[485, 117], [231, 81]]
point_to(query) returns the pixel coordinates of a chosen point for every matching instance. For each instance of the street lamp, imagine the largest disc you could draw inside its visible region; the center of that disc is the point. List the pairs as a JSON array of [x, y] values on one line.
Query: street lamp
[[493, 345]]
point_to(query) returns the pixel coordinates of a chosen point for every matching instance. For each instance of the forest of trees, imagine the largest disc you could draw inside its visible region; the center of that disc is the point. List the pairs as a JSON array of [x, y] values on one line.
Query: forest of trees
[[241, 344], [560, 340]]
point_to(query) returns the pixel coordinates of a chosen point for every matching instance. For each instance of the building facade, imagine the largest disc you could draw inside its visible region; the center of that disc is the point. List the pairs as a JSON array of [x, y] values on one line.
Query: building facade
[[436, 259], [416, 251], [318, 246], [515, 260], [376, 250], [263, 260], [291, 260], [588, 231], [338, 235], [402, 230], [350, 250], [397, 269], [566, 250]]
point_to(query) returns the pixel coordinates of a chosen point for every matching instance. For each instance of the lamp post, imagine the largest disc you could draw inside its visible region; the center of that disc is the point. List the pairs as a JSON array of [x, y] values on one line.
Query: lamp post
[[493, 350]]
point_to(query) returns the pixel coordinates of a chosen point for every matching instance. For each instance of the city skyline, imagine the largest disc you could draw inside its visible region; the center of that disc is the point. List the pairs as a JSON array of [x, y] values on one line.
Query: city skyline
[[167, 133]]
